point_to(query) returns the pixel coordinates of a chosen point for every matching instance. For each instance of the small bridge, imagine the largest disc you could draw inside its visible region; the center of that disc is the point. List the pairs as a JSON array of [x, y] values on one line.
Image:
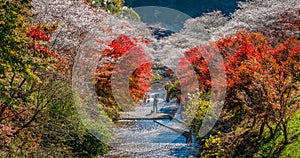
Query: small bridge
[[153, 116], [158, 116], [144, 113]]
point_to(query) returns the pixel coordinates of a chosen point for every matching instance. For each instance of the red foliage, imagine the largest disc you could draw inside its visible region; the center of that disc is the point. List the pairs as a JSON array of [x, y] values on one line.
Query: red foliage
[[262, 76], [38, 36], [120, 46], [195, 58], [241, 53], [6, 133], [139, 81], [86, 2]]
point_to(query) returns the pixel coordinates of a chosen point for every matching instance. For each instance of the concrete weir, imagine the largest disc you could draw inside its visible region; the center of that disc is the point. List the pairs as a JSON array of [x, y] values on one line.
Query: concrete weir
[[185, 133]]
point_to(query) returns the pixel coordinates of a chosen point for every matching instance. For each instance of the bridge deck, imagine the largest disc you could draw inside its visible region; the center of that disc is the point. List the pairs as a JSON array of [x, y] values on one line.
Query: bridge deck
[[144, 112], [153, 116]]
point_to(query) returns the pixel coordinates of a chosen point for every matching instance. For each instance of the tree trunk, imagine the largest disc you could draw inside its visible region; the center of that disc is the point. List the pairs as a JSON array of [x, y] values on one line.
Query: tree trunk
[[168, 98], [261, 130], [272, 132], [285, 133]]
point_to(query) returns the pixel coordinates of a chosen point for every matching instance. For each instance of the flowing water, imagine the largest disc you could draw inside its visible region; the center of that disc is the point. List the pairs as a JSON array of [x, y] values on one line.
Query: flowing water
[[145, 138]]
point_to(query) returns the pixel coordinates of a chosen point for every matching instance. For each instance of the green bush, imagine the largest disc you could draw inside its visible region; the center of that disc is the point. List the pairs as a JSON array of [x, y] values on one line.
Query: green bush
[[212, 147]]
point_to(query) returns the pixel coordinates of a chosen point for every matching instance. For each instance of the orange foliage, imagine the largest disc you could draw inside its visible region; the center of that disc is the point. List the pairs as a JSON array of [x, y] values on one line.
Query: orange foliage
[[139, 81]]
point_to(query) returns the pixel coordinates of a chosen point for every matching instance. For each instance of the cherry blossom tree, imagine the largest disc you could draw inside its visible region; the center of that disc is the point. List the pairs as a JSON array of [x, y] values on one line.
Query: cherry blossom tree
[[261, 16], [76, 20]]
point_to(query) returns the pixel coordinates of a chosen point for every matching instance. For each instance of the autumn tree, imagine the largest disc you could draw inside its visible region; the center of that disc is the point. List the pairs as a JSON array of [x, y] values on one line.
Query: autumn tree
[[35, 96], [277, 81], [262, 81], [139, 81], [23, 52]]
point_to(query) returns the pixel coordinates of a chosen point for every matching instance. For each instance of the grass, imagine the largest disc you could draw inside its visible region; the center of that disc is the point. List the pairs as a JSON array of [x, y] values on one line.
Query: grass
[[276, 147]]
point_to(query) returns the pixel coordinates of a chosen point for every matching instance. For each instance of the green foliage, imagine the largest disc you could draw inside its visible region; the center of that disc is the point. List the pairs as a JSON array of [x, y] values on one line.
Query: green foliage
[[196, 109], [65, 130], [37, 115], [87, 145], [212, 147], [276, 147], [173, 90], [57, 130], [113, 6], [14, 25], [157, 74], [156, 77]]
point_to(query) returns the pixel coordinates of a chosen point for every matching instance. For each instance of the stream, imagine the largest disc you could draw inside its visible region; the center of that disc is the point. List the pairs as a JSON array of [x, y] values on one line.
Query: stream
[[145, 138]]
